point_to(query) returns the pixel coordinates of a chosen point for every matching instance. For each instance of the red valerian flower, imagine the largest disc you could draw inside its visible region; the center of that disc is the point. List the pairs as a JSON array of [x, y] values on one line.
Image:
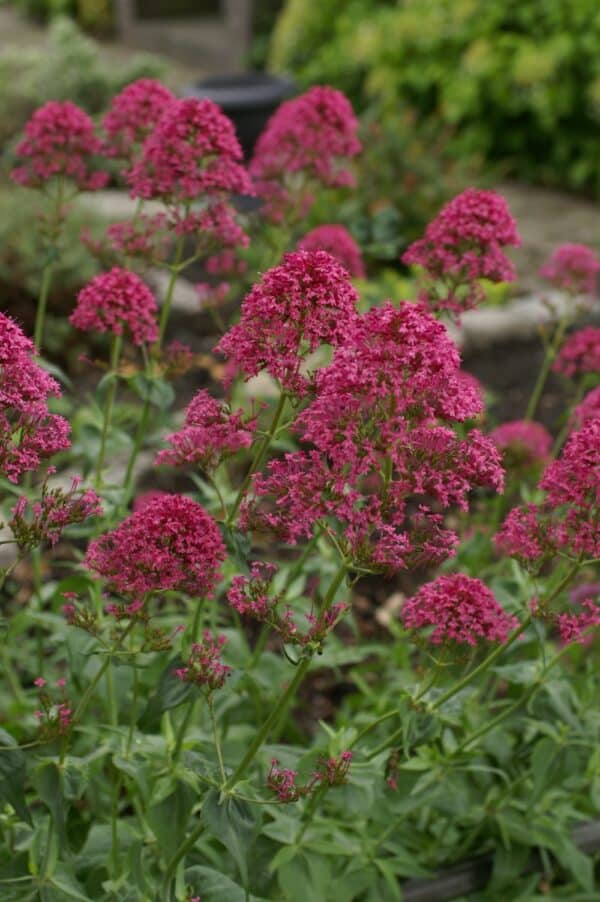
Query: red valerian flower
[[338, 242], [133, 114], [384, 463], [59, 143], [463, 244], [210, 433], [303, 303], [460, 609], [45, 520], [193, 151], [29, 433], [588, 409], [580, 353], [314, 135], [568, 519], [574, 268], [204, 667], [171, 543], [523, 441], [118, 302], [579, 627]]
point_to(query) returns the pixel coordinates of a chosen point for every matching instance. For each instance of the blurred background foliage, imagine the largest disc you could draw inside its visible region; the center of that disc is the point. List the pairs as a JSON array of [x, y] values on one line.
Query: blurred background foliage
[[518, 82]]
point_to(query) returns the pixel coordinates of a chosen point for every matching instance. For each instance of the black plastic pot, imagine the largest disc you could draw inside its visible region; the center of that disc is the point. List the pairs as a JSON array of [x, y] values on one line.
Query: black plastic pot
[[248, 99]]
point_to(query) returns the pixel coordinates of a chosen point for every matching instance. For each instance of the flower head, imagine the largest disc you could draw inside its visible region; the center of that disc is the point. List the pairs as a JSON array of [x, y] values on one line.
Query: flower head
[[588, 409], [314, 136], [580, 353], [59, 142], [46, 519], [133, 114], [29, 433], [303, 303], [204, 667], [574, 268], [462, 244], [460, 609], [210, 433], [523, 441], [118, 302], [192, 152], [171, 543], [338, 242]]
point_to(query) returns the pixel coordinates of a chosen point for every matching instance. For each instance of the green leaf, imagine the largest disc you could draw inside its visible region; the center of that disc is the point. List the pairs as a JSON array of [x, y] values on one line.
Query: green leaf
[[169, 819], [48, 782], [238, 545], [170, 693], [232, 822], [67, 884], [155, 390], [12, 776], [213, 886]]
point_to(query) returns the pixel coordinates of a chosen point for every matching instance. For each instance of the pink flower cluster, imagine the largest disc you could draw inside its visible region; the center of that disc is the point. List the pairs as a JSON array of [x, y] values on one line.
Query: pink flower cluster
[[383, 460], [580, 627], [253, 596], [45, 520], [522, 442], [117, 302], [588, 409], [463, 244], [210, 433], [133, 114], [170, 544], [460, 609], [330, 772], [29, 433], [303, 303], [580, 353], [54, 717], [59, 143], [574, 268], [192, 151], [338, 242], [568, 519], [204, 667], [314, 135]]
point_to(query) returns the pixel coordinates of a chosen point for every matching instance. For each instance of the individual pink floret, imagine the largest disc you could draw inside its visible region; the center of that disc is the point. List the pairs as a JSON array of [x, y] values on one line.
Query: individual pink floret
[[463, 244], [193, 151], [210, 433], [59, 143], [460, 609], [171, 543], [580, 353], [337, 241], [527, 441], [118, 302], [305, 302], [574, 268], [133, 114]]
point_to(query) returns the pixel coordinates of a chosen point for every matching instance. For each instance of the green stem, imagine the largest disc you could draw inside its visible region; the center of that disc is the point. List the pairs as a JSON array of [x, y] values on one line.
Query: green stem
[[285, 700], [183, 728], [197, 619], [490, 725], [40, 314], [117, 344], [137, 446], [259, 738], [181, 852], [134, 707], [258, 458], [99, 674], [568, 422], [114, 832], [545, 369], [166, 307], [215, 731]]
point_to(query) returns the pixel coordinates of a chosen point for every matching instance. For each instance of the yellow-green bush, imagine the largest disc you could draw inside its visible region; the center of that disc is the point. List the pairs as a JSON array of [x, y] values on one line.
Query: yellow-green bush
[[519, 80]]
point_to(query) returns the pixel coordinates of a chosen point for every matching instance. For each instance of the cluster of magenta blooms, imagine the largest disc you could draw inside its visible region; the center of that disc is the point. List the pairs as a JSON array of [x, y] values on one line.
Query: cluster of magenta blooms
[[386, 437]]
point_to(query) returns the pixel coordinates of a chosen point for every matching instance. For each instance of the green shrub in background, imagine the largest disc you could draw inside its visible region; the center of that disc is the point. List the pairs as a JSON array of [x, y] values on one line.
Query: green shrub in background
[[518, 80], [69, 67]]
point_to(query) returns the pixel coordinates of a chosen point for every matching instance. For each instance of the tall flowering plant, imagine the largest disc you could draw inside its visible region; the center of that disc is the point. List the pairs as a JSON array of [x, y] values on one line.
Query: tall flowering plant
[[167, 734]]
